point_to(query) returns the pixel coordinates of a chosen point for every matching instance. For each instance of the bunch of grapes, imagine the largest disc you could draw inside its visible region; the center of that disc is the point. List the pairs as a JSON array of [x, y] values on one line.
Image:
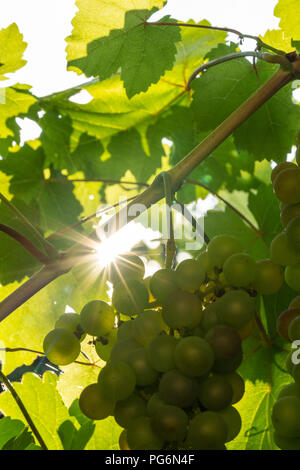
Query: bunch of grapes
[[172, 344], [285, 250]]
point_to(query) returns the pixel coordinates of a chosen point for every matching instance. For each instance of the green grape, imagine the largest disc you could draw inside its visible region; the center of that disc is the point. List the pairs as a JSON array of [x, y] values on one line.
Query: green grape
[[117, 380], [104, 345], [140, 435], [163, 283], [129, 409], [295, 370], [209, 316], [61, 347], [190, 275], [170, 423], [193, 356], [94, 404], [123, 348], [287, 185], [246, 330], [123, 444], [284, 320], [233, 421], [292, 276], [177, 389], [160, 353], [290, 390], [293, 232], [289, 212], [125, 267], [204, 262], [215, 393], [285, 443], [71, 322], [145, 374], [207, 431], [295, 303], [239, 270], [288, 363], [154, 403], [282, 252], [147, 326], [222, 247], [182, 310], [269, 277], [238, 386], [280, 167], [294, 329], [286, 416], [236, 308], [97, 318], [125, 330], [130, 297], [226, 345]]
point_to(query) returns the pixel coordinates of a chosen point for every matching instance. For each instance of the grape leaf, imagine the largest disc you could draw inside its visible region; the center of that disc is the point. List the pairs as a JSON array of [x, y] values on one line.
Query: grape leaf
[[75, 439], [9, 428], [12, 47], [265, 209], [43, 403], [16, 102], [96, 18], [287, 11], [144, 52]]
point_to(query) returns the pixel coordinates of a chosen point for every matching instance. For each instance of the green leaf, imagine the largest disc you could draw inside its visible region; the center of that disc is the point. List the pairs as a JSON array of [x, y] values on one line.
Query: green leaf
[[265, 209], [43, 403], [21, 442], [144, 52], [96, 18], [9, 429], [75, 439], [219, 91], [287, 11], [17, 101], [12, 47]]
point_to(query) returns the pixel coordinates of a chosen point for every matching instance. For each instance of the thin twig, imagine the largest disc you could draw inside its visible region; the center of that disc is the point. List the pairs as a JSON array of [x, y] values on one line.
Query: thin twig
[[50, 249], [170, 245], [192, 181], [24, 411], [190, 218], [96, 180], [30, 247]]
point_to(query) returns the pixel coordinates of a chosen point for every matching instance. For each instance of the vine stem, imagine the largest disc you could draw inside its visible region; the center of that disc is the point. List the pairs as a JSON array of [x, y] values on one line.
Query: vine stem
[[155, 192], [240, 214], [23, 409], [30, 247]]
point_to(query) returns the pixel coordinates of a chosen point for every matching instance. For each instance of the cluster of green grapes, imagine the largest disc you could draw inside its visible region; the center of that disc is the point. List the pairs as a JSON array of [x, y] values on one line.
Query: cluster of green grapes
[[285, 250], [172, 344]]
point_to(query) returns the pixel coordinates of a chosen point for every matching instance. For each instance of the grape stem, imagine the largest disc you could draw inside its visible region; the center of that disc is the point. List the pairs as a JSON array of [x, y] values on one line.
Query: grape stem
[[177, 175], [23, 409], [43, 354]]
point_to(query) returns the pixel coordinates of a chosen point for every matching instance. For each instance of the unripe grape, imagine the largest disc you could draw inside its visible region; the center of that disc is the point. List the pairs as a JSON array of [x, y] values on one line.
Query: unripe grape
[[292, 276], [293, 232], [61, 347], [269, 277], [209, 316], [280, 167], [125, 330], [290, 390], [294, 329], [71, 322], [226, 344], [287, 185], [236, 308], [160, 353], [238, 386], [193, 356], [215, 393], [287, 443], [117, 380], [145, 374], [286, 416], [130, 297], [222, 247], [125, 267], [289, 212], [190, 275], [123, 348], [147, 326], [182, 310], [154, 403], [104, 344], [282, 251], [203, 260], [97, 318], [177, 389], [233, 421], [288, 363], [123, 444], [246, 330], [129, 409], [239, 269], [295, 303], [284, 320], [163, 284], [207, 431], [170, 423], [94, 404], [140, 435]]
